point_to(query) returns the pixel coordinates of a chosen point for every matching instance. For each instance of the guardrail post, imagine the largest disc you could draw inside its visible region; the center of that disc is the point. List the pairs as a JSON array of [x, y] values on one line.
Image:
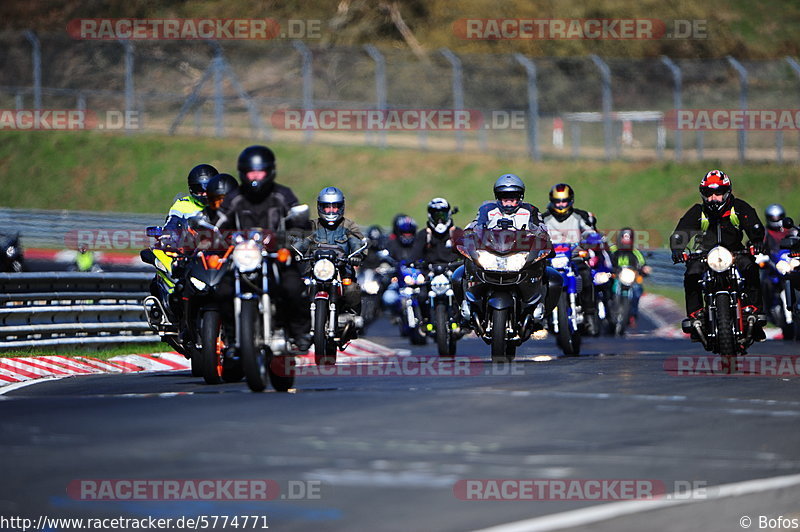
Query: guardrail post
[[37, 68], [677, 100], [380, 87], [533, 106], [608, 131], [458, 90], [308, 82], [742, 104]]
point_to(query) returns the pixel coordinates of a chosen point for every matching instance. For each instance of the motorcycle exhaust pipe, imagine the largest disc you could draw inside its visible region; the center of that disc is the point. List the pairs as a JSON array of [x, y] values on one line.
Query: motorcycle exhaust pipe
[[700, 334]]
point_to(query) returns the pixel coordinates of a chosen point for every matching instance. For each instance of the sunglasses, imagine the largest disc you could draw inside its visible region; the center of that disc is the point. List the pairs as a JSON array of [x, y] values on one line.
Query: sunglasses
[[707, 192]]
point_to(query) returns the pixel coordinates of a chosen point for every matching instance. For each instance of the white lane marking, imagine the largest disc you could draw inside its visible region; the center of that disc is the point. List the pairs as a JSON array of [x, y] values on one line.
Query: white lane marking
[[17, 385], [605, 512]]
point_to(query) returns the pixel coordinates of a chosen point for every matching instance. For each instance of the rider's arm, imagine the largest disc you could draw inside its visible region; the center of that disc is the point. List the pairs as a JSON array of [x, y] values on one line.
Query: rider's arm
[[688, 227], [751, 223]]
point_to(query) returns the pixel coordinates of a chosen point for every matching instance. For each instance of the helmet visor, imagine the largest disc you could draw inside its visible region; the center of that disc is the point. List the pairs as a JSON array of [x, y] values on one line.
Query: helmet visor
[[439, 217], [719, 190]]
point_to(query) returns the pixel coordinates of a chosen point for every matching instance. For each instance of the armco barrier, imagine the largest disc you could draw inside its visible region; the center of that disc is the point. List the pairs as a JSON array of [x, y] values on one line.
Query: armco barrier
[[56, 308]]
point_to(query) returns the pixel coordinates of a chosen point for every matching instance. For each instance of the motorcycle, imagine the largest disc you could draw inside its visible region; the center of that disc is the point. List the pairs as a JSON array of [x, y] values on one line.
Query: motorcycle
[[11, 258], [261, 337], [373, 282], [781, 300], [410, 282], [330, 328], [567, 318], [624, 280], [442, 326], [498, 261], [724, 329]]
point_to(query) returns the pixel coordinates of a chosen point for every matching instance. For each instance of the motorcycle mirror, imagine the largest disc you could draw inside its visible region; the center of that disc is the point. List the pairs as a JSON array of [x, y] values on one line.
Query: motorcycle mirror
[[455, 210], [298, 215], [155, 231], [788, 222]]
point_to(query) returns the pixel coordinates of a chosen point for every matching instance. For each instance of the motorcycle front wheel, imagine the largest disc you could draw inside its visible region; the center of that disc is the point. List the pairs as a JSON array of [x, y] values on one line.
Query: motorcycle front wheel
[[324, 347], [255, 359], [445, 341], [568, 340]]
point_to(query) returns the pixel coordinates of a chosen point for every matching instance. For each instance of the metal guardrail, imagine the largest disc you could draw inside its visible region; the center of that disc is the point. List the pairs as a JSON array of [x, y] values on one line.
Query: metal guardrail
[[55, 308]]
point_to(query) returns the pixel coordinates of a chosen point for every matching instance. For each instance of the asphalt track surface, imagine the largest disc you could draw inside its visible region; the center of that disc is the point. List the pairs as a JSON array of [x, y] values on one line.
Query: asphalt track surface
[[388, 452]]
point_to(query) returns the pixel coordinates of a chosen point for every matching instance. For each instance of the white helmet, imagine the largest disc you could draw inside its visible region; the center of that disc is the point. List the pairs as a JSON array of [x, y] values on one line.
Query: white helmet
[[440, 217]]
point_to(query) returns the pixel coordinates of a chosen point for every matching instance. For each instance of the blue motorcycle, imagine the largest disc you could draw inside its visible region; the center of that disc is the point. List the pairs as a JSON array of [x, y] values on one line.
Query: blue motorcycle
[[410, 282], [567, 318], [781, 300]]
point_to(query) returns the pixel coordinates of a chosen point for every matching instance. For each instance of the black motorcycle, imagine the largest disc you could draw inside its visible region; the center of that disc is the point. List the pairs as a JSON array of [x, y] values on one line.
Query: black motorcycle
[[442, 322], [11, 259], [724, 329], [498, 261]]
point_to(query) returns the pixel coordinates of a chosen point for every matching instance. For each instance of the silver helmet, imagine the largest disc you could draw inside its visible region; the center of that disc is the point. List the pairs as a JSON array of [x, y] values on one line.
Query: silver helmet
[[775, 214], [509, 186], [330, 205]]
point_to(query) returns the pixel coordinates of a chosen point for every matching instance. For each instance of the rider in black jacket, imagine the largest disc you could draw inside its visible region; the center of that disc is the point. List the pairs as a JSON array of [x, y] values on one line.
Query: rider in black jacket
[[263, 203], [721, 219]]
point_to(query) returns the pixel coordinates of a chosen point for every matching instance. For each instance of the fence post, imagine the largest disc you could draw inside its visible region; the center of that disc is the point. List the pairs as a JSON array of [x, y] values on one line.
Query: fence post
[[608, 131], [742, 104], [218, 67], [37, 68], [308, 82], [533, 106], [458, 90], [677, 100], [380, 85], [129, 89], [796, 67]]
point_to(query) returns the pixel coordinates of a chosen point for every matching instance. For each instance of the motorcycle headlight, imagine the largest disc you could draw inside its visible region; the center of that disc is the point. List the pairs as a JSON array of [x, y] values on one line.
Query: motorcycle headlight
[[719, 259], [246, 256], [409, 280], [627, 276], [786, 266], [516, 261], [601, 278], [372, 287], [560, 262], [200, 285], [440, 284], [11, 251], [486, 260], [324, 270]]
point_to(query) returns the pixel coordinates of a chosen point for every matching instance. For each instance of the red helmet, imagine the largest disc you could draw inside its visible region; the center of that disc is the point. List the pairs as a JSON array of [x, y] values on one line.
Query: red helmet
[[716, 182]]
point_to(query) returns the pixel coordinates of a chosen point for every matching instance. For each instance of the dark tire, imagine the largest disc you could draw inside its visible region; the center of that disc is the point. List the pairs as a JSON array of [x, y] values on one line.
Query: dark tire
[[195, 357], [568, 340], [210, 354], [369, 309], [621, 316], [725, 339], [444, 337], [324, 347], [415, 334], [281, 373], [255, 359], [499, 343]]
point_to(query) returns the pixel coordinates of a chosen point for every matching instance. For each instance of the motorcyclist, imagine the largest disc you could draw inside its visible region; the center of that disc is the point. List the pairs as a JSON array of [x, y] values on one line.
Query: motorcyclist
[[720, 219], [263, 203], [401, 241], [625, 255], [435, 244], [187, 205], [84, 259], [376, 252], [774, 215], [332, 228], [566, 224], [509, 191], [217, 189]]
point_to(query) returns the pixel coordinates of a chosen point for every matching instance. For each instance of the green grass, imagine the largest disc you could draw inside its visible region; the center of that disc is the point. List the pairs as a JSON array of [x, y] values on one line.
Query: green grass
[[670, 292], [103, 353]]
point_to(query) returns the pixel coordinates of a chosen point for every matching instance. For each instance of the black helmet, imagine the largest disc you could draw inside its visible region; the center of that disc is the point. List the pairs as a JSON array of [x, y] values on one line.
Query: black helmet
[[775, 214], [509, 186], [220, 186], [330, 206], [559, 194], [256, 159], [375, 235], [440, 217], [625, 238], [198, 179], [405, 229]]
